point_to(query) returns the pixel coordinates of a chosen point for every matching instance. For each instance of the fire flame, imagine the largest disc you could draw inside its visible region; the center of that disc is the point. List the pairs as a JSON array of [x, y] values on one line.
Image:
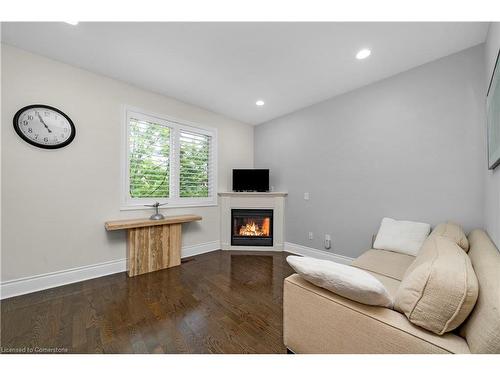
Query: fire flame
[[252, 229]]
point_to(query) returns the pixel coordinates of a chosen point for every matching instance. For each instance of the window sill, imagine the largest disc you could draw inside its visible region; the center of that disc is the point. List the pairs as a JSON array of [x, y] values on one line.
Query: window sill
[[139, 207]]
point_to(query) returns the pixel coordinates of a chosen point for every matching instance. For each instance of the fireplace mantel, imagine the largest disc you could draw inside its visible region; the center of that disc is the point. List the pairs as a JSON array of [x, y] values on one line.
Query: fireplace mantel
[[274, 200], [253, 194]]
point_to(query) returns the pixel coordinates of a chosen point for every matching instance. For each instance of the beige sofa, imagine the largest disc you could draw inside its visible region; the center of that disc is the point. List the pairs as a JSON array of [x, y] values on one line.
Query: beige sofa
[[319, 321]]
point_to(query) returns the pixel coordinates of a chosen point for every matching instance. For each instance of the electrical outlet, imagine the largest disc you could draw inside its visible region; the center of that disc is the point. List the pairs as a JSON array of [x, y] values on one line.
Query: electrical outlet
[[328, 241], [306, 196], [311, 235]]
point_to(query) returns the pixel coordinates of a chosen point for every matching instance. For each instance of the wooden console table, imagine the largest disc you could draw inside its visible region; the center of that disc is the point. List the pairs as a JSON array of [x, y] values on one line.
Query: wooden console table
[[152, 245]]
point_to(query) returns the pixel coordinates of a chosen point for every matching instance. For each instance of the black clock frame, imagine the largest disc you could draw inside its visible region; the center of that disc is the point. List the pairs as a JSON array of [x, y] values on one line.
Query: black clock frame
[[26, 139]]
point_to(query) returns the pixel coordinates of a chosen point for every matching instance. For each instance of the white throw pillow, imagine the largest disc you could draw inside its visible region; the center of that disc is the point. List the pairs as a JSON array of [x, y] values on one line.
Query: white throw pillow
[[401, 236], [346, 281]]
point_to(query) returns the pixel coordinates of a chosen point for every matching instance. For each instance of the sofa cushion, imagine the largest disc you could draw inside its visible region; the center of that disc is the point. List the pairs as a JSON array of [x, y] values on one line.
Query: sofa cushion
[[391, 285], [316, 320], [440, 289], [482, 328], [387, 263], [454, 232], [347, 281], [401, 236]]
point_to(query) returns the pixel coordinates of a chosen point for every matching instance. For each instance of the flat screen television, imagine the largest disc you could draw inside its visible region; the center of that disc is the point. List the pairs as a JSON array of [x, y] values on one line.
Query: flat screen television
[[250, 179]]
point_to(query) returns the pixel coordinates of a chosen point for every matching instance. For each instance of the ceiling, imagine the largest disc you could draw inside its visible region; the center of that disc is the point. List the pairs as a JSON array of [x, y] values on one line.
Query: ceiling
[[227, 67]]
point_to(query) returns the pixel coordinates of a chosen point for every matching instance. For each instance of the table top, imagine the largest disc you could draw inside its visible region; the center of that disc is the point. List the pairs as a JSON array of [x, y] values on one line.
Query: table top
[[139, 223]]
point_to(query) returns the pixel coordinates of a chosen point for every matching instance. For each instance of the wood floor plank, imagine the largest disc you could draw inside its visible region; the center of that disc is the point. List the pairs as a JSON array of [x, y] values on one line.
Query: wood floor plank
[[218, 302]]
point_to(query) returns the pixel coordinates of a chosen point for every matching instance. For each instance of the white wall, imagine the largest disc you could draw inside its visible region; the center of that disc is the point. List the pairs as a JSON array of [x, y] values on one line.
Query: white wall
[[492, 183], [410, 147], [55, 203]]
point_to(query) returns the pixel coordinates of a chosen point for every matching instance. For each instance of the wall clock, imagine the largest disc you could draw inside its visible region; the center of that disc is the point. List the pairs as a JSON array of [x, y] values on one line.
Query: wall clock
[[44, 126]]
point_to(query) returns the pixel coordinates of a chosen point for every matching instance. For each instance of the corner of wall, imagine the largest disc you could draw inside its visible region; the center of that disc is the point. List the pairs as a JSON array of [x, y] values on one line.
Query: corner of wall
[[492, 178]]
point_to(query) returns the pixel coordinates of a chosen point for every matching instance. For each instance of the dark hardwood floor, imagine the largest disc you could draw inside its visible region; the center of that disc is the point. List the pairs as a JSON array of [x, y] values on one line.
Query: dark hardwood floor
[[218, 302]]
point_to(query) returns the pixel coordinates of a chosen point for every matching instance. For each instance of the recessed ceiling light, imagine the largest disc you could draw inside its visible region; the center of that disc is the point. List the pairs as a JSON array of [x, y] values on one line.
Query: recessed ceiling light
[[260, 103], [363, 54], [74, 23]]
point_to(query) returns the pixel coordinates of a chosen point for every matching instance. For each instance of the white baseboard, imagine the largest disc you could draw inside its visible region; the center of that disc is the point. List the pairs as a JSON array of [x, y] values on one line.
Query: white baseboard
[[36, 283], [192, 250], [315, 253], [30, 284]]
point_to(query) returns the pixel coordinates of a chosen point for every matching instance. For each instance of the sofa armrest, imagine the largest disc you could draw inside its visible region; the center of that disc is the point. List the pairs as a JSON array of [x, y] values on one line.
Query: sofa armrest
[[318, 321]]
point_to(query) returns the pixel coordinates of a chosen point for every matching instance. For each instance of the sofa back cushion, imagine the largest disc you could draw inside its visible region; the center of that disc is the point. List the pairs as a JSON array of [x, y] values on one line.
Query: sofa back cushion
[[440, 287], [454, 232], [482, 328]]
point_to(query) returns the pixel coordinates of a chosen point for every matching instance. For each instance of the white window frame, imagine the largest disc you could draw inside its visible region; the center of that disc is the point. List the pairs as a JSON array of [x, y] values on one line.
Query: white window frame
[[176, 126]]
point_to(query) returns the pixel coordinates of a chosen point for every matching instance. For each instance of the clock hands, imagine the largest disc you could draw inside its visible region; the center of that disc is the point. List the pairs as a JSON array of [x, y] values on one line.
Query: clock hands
[[43, 122]]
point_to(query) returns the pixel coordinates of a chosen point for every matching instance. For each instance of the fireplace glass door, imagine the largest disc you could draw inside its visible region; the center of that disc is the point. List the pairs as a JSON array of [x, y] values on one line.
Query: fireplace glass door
[[251, 227]]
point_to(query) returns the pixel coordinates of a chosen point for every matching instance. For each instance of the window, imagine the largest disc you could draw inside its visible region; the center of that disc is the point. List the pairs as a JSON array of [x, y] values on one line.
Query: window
[[149, 159], [168, 161], [194, 164]]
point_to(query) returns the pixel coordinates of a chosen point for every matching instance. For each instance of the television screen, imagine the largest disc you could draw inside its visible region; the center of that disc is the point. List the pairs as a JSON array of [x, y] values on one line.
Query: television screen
[[250, 179]]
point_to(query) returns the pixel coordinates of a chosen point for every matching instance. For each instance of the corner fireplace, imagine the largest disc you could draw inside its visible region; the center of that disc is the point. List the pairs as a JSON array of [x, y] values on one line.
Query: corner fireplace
[[251, 227]]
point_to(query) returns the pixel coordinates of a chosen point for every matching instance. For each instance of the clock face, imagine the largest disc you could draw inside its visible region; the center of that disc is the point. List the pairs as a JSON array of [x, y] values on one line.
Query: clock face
[[44, 126]]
